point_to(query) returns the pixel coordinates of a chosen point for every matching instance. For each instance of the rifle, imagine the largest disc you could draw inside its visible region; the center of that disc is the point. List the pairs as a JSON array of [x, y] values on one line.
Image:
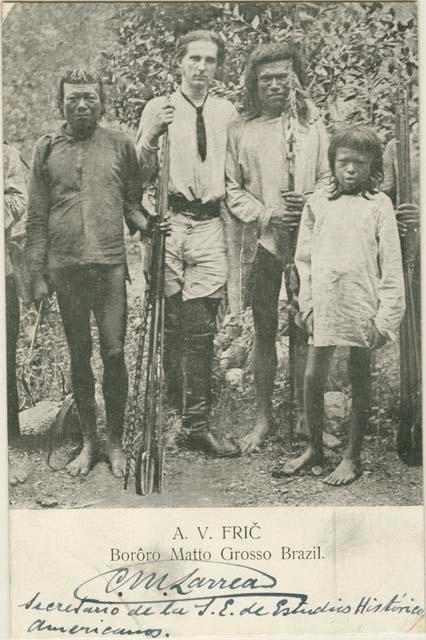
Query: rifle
[[145, 421], [287, 241], [409, 428]]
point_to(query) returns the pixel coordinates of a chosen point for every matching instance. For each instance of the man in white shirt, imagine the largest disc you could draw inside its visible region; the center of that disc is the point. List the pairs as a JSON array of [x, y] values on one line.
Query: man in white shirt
[[196, 262]]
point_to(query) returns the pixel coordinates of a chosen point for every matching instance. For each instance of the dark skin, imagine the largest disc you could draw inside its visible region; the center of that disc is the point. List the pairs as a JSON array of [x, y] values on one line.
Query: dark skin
[[82, 111], [352, 169], [273, 88]]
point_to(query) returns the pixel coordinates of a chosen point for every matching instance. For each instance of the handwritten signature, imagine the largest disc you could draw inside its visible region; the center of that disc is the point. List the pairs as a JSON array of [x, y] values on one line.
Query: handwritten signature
[[172, 589]]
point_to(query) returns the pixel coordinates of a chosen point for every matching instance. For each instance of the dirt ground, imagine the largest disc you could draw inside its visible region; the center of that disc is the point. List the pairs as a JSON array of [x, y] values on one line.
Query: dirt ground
[[192, 479]]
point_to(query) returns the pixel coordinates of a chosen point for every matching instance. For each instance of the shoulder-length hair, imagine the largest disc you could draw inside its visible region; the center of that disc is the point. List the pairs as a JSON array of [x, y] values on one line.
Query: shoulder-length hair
[[80, 75], [363, 139], [273, 52]]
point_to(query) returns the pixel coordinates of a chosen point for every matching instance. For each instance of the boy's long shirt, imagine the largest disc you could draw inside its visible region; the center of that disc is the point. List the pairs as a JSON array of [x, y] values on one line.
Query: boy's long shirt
[[349, 261]]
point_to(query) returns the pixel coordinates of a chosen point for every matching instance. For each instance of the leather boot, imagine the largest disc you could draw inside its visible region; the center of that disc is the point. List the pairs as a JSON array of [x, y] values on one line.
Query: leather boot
[[197, 371]]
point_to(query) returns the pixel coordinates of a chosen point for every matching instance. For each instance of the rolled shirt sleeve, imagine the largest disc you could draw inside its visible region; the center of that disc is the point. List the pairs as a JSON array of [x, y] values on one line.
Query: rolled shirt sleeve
[[391, 288]]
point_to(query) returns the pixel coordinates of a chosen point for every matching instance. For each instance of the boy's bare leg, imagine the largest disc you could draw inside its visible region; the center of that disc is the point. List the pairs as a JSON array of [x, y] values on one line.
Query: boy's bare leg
[[350, 467], [317, 365], [329, 441]]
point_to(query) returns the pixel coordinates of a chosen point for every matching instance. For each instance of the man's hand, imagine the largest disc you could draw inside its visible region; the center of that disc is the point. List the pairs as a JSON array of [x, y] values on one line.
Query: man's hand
[[377, 340], [407, 216], [289, 216], [162, 119], [294, 201], [281, 218], [40, 290]]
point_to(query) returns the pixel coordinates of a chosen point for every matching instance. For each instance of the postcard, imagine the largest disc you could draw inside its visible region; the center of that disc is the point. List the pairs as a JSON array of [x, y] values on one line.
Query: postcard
[[212, 305]]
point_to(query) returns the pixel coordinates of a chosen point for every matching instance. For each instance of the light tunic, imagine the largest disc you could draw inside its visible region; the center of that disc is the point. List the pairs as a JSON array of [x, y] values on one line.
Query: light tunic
[[256, 172], [349, 261], [189, 175]]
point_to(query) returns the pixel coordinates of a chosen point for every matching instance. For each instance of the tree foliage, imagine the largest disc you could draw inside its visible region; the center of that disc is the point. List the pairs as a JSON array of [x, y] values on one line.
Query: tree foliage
[[356, 53]]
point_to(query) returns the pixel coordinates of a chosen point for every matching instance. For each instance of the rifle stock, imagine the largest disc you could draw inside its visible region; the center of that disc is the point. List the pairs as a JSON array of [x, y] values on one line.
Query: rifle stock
[[146, 417]]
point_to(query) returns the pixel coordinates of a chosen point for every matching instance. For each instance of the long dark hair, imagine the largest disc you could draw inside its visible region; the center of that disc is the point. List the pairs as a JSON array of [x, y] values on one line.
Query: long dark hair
[[364, 140], [273, 52]]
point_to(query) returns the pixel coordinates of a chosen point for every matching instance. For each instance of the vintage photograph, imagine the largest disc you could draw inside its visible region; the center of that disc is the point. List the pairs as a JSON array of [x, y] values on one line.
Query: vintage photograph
[[212, 254]]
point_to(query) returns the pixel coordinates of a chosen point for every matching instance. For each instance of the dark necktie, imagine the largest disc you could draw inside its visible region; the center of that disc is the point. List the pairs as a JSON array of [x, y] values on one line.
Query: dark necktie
[[200, 127]]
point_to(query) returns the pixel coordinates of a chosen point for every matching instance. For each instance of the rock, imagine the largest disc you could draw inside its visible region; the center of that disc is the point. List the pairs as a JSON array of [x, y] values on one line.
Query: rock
[[337, 407], [234, 378], [235, 357], [317, 471], [47, 502]]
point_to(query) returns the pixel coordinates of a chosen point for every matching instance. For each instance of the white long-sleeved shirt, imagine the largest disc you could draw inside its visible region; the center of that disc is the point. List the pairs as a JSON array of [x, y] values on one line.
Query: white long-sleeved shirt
[[349, 261], [189, 175]]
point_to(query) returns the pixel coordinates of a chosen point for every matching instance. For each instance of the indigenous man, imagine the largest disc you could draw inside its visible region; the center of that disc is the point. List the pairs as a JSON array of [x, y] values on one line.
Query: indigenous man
[[15, 202], [196, 261], [257, 194], [85, 181]]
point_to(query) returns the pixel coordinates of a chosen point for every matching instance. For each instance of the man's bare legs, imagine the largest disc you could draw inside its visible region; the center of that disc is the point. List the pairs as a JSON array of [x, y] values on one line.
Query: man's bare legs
[[317, 366], [110, 311], [79, 291], [360, 370], [267, 285]]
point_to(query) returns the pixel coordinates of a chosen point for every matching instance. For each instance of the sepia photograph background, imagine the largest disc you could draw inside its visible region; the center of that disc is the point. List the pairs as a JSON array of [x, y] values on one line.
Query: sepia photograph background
[[356, 54]]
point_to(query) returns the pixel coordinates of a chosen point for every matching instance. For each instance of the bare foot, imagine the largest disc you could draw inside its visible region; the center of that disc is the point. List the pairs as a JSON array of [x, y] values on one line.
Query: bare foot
[[309, 458], [346, 472], [18, 472], [83, 462], [117, 459], [253, 441]]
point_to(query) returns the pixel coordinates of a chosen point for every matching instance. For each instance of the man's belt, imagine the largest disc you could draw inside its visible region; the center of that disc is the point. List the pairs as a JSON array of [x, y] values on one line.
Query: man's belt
[[194, 208]]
